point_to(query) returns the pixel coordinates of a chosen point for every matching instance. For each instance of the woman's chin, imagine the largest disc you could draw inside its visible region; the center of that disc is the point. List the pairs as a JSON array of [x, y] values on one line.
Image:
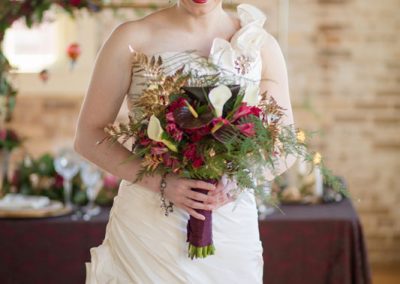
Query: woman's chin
[[200, 7]]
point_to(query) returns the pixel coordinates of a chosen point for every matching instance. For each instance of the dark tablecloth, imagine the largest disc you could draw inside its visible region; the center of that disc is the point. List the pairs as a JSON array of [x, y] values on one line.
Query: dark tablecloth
[[314, 244], [307, 244]]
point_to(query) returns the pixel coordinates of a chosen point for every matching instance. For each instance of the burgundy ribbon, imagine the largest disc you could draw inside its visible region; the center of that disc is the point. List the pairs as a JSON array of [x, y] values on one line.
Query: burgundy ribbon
[[199, 232]]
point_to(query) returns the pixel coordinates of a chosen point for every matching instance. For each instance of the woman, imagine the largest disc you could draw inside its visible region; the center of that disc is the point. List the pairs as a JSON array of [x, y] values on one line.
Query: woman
[[141, 244]]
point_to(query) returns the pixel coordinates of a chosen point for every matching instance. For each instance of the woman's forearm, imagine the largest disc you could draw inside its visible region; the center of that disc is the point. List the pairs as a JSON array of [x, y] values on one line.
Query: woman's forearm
[[111, 157]]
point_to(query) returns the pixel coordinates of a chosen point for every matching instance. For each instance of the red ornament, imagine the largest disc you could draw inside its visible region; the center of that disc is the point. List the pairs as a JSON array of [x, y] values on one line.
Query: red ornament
[[73, 51]]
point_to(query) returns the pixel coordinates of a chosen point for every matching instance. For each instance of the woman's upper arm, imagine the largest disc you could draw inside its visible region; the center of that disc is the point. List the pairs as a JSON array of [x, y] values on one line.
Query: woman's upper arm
[[274, 77], [109, 82]]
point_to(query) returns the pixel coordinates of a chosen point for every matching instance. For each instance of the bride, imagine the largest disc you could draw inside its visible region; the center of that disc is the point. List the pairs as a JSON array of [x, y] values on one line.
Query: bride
[[142, 245]]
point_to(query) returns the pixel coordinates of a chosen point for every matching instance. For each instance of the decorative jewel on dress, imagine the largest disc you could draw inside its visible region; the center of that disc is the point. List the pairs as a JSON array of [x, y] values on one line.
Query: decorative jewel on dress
[[243, 64]]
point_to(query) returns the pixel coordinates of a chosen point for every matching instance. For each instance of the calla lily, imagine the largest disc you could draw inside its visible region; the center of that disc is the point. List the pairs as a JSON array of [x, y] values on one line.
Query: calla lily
[[218, 97], [154, 129], [155, 133], [251, 95]]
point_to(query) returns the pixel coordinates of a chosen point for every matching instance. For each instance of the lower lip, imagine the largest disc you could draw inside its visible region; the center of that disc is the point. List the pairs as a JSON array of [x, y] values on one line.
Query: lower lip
[[200, 1]]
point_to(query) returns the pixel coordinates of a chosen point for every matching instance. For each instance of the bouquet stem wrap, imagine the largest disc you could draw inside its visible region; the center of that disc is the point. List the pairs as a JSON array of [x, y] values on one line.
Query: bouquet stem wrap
[[199, 232]]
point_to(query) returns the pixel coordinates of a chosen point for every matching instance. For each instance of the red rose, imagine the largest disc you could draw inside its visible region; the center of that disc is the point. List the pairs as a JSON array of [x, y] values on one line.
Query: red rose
[[247, 129]]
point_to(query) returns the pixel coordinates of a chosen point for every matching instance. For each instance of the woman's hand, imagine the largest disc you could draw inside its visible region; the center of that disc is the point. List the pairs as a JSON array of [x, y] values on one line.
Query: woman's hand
[[179, 191], [222, 194]]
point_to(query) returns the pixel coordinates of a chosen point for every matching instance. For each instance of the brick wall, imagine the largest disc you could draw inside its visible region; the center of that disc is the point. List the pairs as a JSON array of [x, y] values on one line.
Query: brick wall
[[344, 70], [344, 67]]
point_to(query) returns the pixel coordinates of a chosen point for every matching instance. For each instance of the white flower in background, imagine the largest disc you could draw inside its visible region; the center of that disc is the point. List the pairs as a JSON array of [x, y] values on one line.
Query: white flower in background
[[251, 95], [218, 97], [155, 133]]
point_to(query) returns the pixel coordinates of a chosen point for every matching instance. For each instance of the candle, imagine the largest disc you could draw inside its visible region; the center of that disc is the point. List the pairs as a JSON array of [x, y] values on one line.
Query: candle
[[302, 167], [319, 190]]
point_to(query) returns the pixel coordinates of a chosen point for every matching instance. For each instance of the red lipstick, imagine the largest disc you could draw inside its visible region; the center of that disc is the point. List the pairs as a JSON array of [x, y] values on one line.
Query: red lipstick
[[200, 1]]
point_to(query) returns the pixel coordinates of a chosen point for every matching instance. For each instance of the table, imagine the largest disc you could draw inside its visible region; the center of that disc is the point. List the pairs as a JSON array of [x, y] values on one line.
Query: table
[[314, 244], [308, 244], [48, 250]]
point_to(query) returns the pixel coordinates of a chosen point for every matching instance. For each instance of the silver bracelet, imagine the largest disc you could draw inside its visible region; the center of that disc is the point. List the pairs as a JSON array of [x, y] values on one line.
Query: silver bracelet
[[167, 208]]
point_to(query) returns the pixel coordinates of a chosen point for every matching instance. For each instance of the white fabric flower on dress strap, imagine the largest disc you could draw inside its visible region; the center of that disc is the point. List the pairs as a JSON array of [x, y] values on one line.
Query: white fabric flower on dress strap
[[241, 55]]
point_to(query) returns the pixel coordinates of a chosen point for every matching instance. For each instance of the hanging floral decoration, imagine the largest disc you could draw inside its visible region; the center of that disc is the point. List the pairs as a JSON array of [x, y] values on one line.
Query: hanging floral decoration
[[32, 11], [73, 52]]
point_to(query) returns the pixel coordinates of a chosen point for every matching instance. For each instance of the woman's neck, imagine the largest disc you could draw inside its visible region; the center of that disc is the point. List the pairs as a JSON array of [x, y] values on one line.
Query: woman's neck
[[201, 22]]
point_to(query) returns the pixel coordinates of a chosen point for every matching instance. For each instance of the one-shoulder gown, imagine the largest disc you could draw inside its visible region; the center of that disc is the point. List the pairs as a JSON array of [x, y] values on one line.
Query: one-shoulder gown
[[141, 245]]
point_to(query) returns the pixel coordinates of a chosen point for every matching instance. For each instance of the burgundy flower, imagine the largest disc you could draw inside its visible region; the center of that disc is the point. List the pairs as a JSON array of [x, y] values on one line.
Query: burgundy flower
[[218, 120], [170, 117], [180, 102], [198, 134], [245, 110], [144, 141], [190, 152], [174, 131], [247, 129], [158, 150], [170, 161], [197, 163]]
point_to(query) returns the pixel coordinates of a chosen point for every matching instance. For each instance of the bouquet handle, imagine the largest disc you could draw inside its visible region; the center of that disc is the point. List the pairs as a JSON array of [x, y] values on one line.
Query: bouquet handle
[[199, 232]]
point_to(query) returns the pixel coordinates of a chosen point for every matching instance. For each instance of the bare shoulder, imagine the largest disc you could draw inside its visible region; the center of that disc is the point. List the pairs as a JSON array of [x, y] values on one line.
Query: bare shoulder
[[272, 56], [136, 33], [271, 46]]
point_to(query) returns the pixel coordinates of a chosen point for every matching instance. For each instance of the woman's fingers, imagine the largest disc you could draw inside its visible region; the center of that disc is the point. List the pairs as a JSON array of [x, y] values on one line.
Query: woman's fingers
[[193, 213], [198, 205], [220, 188], [198, 196], [200, 184]]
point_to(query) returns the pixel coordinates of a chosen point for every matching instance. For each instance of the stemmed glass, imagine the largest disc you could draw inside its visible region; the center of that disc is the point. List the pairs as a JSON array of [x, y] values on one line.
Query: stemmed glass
[[66, 164], [91, 177], [265, 209], [263, 206]]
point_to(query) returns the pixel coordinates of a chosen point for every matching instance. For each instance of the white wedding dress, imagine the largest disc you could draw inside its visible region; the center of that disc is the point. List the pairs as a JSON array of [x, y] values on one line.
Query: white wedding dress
[[142, 245]]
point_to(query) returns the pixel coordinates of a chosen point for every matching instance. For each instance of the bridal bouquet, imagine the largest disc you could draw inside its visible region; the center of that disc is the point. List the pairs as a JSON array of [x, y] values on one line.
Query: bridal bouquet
[[203, 127]]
